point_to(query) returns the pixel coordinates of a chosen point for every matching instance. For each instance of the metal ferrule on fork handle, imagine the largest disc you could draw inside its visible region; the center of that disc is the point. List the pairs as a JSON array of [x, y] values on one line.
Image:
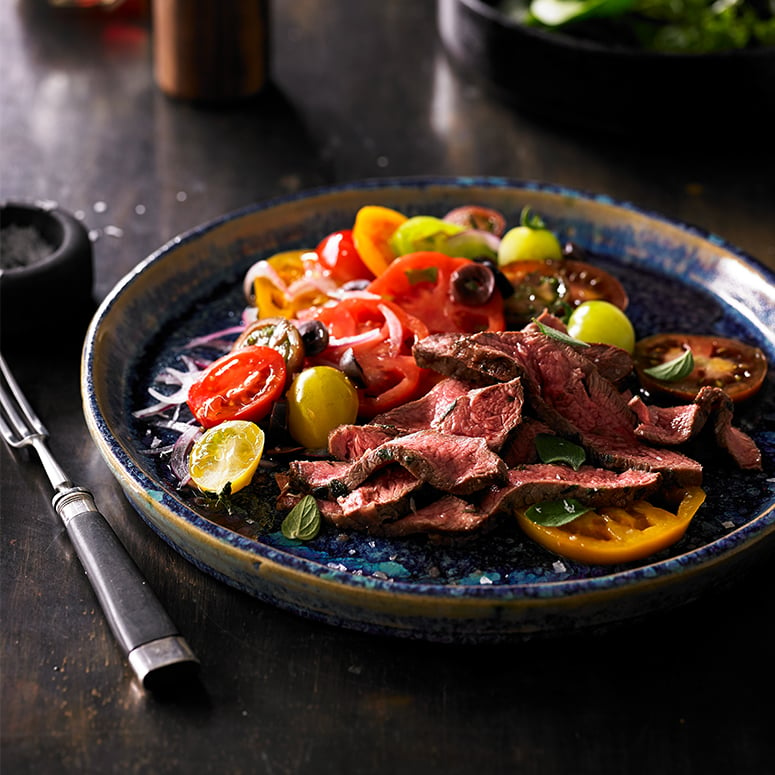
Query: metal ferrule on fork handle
[[143, 629]]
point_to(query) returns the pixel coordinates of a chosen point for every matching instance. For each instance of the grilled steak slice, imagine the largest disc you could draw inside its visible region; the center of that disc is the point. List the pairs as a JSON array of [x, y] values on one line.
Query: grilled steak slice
[[739, 445], [424, 412], [459, 357], [670, 425], [489, 412], [622, 454], [455, 464], [568, 393], [613, 363], [549, 482], [318, 475], [349, 442], [447, 516], [384, 496]]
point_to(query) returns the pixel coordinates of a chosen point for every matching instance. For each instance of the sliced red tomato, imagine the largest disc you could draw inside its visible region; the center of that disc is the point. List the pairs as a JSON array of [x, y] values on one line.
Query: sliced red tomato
[[559, 286], [737, 368], [339, 257], [613, 535], [242, 385], [421, 284], [371, 341]]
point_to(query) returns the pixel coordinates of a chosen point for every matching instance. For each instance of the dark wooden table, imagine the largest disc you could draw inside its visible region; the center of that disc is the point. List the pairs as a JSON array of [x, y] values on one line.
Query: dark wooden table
[[359, 90]]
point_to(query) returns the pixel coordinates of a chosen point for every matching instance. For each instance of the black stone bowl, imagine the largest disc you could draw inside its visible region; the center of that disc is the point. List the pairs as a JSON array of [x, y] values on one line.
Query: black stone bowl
[[614, 89], [47, 273]]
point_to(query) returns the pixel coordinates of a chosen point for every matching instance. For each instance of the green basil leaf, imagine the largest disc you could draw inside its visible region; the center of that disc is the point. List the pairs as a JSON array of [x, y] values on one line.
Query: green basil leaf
[[555, 13], [672, 371], [559, 335], [303, 521], [556, 513], [553, 449]]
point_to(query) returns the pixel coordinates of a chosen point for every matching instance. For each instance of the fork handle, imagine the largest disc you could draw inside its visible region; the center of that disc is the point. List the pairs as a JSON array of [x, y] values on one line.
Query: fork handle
[[151, 642]]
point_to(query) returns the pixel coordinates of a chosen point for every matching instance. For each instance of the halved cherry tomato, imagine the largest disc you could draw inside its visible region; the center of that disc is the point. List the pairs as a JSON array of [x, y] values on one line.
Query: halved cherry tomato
[[288, 282], [278, 333], [371, 341], [558, 286], [478, 217], [374, 226], [737, 368], [613, 535], [421, 284], [338, 256], [242, 385]]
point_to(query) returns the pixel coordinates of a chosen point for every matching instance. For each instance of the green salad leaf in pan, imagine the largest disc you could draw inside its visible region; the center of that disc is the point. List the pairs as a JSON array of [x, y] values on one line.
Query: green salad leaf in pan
[[677, 26]]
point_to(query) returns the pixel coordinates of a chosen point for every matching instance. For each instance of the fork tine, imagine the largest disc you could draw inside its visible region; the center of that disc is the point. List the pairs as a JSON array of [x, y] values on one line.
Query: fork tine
[[17, 410]]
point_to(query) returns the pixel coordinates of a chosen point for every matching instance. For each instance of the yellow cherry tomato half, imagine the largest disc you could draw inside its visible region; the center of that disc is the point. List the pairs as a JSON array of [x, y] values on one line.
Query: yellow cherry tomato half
[[229, 453], [320, 399], [615, 535], [600, 322], [275, 289], [374, 226], [523, 243]]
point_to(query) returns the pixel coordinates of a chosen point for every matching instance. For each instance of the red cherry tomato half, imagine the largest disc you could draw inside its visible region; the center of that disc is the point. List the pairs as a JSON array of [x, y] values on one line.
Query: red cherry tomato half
[[338, 256], [737, 368], [242, 385], [421, 284], [371, 341]]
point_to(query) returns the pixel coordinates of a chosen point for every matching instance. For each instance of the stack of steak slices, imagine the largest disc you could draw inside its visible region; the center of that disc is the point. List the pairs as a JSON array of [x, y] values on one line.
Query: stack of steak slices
[[447, 464]]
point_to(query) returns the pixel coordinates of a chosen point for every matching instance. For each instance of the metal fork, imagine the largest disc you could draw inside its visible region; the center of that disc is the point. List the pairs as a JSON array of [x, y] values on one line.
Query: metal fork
[[156, 651]]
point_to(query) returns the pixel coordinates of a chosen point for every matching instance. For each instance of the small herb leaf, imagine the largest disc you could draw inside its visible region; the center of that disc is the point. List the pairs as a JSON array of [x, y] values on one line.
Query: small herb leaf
[[560, 336], [553, 449], [303, 521], [556, 513], [672, 371]]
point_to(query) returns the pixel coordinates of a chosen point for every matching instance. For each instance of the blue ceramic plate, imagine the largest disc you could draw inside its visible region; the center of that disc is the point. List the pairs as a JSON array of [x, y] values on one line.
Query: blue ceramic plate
[[499, 586]]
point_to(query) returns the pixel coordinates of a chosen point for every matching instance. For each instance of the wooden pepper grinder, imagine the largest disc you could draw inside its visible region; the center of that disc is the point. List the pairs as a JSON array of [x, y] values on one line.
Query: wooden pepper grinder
[[211, 50]]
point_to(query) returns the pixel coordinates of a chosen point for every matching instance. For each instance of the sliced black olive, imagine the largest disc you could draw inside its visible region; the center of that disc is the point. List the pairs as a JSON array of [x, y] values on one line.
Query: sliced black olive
[[502, 283], [314, 336], [350, 366], [472, 284]]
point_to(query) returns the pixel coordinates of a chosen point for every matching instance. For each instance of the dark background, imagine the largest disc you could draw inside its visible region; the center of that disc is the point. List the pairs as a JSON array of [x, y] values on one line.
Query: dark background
[[359, 90]]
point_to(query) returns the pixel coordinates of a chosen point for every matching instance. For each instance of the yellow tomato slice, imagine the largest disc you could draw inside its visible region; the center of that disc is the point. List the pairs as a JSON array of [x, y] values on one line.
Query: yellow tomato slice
[[276, 293], [613, 535], [229, 453], [374, 226]]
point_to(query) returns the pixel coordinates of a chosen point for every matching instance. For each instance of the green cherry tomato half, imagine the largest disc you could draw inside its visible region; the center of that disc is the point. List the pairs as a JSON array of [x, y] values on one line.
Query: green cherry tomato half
[[601, 322], [422, 232], [523, 243], [320, 399]]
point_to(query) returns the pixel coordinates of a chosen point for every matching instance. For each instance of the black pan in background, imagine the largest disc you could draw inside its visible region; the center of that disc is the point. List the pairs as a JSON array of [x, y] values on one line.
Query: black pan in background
[[613, 89]]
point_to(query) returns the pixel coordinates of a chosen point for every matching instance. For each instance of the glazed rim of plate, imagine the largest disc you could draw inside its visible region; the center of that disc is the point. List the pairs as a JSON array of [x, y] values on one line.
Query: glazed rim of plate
[[140, 486]]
